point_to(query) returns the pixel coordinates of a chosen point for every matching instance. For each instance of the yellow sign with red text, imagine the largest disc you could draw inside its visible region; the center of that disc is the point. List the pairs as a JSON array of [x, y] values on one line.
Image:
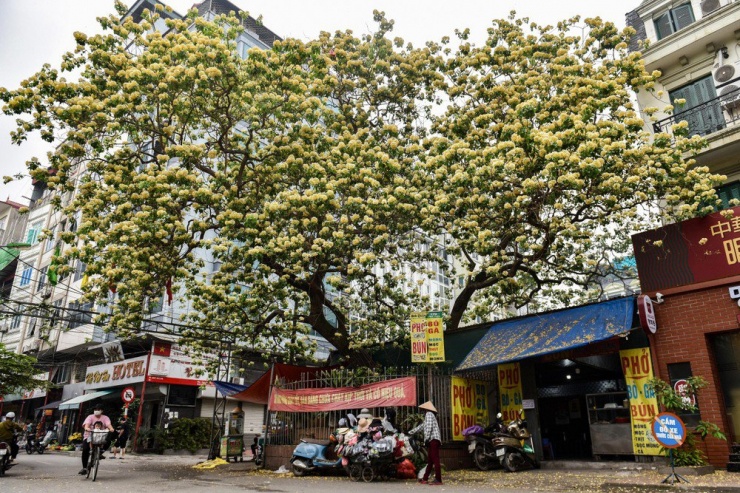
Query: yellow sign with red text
[[427, 337], [638, 370], [510, 389], [469, 405]]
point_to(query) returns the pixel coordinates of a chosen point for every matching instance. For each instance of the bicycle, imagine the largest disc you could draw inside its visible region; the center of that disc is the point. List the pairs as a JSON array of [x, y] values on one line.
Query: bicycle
[[97, 440]]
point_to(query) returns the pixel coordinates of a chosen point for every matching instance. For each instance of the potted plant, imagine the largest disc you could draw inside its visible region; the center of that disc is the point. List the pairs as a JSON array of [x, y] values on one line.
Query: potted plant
[[689, 455]]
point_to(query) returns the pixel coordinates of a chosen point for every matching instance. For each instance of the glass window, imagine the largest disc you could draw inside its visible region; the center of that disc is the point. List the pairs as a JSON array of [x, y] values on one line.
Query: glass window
[[728, 192], [674, 20], [33, 232], [42, 278], [26, 276]]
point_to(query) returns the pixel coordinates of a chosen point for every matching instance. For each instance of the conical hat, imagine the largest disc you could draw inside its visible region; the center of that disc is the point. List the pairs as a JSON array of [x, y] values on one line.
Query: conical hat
[[428, 406]]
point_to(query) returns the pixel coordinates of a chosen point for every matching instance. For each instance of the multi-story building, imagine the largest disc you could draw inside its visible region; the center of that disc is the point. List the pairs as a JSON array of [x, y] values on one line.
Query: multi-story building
[[12, 227], [693, 276], [696, 46]]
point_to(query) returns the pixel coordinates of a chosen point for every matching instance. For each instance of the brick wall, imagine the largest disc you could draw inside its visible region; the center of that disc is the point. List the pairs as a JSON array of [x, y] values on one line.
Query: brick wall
[[685, 322]]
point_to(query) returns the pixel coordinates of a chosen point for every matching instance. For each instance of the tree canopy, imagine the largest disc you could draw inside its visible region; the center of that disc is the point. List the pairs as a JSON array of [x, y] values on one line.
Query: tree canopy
[[540, 166], [290, 190], [17, 373]]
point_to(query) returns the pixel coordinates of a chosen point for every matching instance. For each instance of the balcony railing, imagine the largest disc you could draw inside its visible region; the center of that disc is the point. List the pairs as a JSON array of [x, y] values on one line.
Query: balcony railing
[[708, 117]]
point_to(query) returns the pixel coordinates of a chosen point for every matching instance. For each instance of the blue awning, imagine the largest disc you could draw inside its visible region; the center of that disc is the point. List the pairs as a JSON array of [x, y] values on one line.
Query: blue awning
[[228, 389], [513, 340]]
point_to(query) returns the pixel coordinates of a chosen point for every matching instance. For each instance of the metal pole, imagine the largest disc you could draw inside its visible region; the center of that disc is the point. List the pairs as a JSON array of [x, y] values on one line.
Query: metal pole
[[267, 412], [141, 401]]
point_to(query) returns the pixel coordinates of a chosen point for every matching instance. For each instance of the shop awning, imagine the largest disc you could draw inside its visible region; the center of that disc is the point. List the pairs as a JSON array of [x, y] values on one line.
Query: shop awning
[[259, 391], [228, 389], [51, 405], [513, 340], [74, 403]]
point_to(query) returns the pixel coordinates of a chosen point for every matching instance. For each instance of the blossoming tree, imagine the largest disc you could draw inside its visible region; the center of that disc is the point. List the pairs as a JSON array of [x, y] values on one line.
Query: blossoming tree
[[287, 191], [292, 170], [540, 165]]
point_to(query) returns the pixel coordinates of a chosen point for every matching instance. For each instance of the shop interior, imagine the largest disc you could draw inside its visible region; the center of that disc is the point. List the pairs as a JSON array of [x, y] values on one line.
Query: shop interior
[[582, 410]]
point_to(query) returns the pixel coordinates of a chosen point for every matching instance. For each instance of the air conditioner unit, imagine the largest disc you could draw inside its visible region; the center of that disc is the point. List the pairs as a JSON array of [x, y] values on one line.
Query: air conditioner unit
[[729, 96], [709, 6], [237, 380], [726, 65]]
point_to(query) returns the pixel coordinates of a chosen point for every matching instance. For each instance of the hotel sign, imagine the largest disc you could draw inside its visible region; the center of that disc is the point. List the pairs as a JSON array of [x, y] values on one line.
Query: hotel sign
[[114, 374]]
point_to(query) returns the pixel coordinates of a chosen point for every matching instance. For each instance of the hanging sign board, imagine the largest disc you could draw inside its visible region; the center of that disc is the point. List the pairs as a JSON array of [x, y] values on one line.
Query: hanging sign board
[[396, 392], [638, 370], [427, 337], [510, 389], [469, 405]]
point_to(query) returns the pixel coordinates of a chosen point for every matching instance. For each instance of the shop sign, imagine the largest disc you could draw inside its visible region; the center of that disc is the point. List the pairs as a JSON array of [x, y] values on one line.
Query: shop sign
[[170, 364], [668, 430], [38, 392], [427, 337], [396, 392], [638, 370], [681, 388], [469, 405], [693, 251], [114, 374], [510, 388], [647, 313]]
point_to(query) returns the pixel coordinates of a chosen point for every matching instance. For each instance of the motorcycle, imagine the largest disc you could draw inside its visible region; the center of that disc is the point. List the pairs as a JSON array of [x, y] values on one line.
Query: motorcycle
[[33, 444], [5, 454], [515, 447], [480, 443], [315, 455]]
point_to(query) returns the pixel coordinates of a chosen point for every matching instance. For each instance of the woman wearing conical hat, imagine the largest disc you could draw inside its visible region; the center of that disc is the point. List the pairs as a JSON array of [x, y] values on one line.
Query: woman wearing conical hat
[[433, 440]]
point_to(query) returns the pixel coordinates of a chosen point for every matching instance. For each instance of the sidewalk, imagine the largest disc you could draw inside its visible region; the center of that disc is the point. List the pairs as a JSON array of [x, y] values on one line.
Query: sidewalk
[[609, 477]]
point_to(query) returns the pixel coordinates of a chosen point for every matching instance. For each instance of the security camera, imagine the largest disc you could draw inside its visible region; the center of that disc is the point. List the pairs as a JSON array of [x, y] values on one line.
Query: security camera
[[658, 298]]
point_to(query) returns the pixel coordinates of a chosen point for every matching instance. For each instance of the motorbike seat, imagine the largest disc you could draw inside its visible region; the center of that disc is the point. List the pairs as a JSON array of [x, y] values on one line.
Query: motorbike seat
[[315, 441]]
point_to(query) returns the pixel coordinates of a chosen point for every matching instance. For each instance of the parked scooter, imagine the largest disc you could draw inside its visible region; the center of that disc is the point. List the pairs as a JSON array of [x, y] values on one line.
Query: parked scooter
[[315, 456], [480, 443], [515, 448]]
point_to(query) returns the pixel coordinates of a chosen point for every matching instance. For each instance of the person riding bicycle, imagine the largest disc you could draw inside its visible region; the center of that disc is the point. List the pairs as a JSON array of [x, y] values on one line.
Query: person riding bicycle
[[96, 417], [8, 428]]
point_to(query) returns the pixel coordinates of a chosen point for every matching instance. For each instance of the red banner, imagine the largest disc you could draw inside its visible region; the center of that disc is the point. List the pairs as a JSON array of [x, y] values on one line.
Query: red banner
[[397, 392]]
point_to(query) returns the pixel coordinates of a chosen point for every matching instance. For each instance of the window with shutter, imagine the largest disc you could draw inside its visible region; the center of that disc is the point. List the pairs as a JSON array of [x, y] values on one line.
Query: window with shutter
[[674, 20], [702, 110]]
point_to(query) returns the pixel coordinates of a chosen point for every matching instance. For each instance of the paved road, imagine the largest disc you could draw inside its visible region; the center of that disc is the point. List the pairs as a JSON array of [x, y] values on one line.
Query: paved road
[[57, 473]]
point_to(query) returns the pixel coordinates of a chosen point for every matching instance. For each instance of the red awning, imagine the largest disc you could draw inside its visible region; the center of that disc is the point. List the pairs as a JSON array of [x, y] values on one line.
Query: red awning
[[259, 391]]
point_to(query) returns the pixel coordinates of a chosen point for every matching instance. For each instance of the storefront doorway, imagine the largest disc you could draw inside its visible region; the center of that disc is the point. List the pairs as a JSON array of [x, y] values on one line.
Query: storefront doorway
[[726, 349], [564, 389]]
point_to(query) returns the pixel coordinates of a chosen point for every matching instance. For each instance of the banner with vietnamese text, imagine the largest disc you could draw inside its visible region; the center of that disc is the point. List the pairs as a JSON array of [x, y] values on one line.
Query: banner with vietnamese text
[[396, 392], [510, 389], [469, 405], [638, 370]]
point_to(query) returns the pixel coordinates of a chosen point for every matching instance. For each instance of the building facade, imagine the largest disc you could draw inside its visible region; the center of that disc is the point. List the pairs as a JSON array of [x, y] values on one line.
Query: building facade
[[691, 277]]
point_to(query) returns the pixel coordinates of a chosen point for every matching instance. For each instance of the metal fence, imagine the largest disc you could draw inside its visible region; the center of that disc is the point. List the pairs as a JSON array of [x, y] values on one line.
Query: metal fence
[[432, 384], [707, 117]]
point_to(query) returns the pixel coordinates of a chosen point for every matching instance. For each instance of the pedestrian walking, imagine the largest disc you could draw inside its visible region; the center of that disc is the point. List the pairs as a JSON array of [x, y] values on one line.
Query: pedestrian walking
[[433, 440]]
